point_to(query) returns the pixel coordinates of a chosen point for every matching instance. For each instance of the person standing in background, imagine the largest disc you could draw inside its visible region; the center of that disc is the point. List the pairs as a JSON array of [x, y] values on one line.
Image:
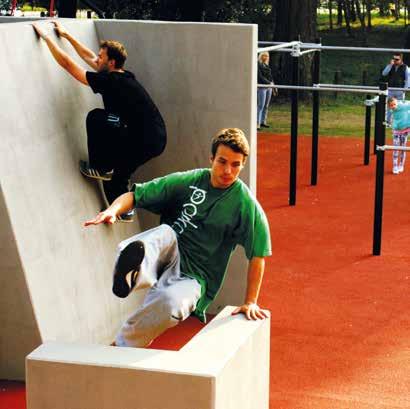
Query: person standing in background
[[397, 76], [264, 94]]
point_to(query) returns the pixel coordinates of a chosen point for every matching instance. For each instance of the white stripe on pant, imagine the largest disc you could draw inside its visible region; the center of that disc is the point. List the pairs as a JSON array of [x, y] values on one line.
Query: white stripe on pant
[[172, 296]]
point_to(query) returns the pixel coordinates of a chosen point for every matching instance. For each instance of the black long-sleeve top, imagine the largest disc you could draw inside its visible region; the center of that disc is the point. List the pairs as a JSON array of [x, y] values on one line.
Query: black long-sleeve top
[[264, 73]]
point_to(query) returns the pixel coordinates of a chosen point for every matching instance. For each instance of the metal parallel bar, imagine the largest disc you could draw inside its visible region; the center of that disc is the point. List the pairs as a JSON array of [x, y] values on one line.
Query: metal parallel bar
[[294, 131], [392, 148], [310, 88], [334, 47], [308, 51], [378, 198], [361, 87], [367, 129], [278, 46], [315, 121], [372, 101]]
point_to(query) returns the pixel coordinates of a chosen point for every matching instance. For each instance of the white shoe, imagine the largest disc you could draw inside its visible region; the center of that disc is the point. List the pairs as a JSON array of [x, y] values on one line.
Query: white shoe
[[401, 169], [396, 170]]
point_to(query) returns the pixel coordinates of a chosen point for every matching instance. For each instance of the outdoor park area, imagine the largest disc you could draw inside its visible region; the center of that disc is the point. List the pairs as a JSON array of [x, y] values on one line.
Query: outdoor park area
[[337, 331]]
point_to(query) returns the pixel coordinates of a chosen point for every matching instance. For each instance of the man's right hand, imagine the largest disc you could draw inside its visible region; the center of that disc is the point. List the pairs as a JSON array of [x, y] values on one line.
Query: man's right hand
[[107, 217], [391, 62], [59, 29]]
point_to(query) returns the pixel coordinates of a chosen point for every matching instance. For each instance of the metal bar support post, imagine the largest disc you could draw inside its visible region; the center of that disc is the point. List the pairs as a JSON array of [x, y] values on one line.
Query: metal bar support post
[[315, 119], [378, 199], [294, 131]]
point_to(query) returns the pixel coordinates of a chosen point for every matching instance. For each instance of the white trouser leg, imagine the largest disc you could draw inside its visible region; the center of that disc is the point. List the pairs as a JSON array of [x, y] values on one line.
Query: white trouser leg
[[161, 248], [172, 297], [403, 142], [396, 142]]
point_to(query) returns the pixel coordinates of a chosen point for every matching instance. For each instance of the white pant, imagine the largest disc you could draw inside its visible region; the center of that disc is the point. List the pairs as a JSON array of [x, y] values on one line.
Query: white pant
[[399, 157], [172, 296]]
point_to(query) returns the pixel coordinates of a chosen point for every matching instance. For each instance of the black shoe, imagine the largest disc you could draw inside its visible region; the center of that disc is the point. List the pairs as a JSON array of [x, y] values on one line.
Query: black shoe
[[94, 173], [265, 126], [129, 262], [258, 129], [126, 217]]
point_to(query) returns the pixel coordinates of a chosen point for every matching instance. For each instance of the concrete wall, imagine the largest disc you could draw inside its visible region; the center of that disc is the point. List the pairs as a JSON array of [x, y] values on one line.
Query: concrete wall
[[225, 366], [200, 75], [60, 268]]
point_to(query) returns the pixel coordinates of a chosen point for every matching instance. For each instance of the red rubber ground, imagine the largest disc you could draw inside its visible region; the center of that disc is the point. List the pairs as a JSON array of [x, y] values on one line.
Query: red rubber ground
[[340, 335]]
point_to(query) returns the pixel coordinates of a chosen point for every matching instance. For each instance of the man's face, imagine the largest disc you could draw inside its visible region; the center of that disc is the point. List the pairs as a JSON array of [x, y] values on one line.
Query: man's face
[[103, 63], [397, 60], [226, 166], [265, 58]]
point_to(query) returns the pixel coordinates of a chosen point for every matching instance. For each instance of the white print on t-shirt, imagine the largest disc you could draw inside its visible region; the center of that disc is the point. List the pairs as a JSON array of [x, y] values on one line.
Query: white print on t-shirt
[[189, 210]]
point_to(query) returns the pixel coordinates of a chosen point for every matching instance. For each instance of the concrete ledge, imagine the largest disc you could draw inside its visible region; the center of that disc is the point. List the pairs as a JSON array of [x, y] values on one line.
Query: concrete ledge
[[225, 366]]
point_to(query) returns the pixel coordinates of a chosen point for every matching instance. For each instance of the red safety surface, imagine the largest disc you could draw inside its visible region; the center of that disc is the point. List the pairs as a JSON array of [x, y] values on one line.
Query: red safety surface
[[340, 334], [12, 395], [340, 317]]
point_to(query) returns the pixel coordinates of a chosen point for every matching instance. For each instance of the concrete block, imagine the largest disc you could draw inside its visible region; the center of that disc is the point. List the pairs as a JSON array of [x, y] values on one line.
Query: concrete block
[[55, 275], [225, 366]]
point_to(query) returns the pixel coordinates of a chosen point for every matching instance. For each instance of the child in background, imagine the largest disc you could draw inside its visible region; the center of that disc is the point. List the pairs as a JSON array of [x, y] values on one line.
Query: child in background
[[400, 111]]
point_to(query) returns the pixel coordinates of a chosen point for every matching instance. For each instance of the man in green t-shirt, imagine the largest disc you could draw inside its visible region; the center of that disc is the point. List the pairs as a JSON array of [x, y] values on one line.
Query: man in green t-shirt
[[204, 213]]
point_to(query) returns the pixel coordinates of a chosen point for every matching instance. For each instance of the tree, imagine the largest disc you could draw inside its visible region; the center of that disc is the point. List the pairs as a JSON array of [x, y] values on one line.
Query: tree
[[67, 8], [330, 7], [339, 12], [295, 18], [369, 14]]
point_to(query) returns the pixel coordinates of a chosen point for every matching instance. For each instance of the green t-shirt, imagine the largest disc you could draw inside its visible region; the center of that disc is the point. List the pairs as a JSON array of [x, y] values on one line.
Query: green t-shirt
[[209, 223]]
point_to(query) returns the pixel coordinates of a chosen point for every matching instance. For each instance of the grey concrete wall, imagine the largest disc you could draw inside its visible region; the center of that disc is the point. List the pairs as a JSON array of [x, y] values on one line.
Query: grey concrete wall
[[202, 78], [9, 19], [60, 268], [224, 366]]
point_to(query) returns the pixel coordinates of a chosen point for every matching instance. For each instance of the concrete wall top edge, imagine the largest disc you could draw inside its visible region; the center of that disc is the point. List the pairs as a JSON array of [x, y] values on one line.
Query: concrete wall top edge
[[208, 353], [181, 23]]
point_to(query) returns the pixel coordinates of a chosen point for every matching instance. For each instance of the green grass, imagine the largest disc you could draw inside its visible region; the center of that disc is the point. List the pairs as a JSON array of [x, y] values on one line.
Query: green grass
[[335, 120], [343, 116], [377, 21]]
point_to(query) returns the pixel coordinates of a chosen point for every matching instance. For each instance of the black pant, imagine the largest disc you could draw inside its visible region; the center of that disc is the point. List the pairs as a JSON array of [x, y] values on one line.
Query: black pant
[[112, 145]]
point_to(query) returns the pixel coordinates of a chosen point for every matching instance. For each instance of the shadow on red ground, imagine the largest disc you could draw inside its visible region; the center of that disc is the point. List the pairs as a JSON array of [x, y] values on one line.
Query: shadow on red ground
[[340, 334]]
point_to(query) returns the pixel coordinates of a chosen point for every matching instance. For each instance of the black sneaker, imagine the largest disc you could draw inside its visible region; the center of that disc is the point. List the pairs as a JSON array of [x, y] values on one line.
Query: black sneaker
[[94, 173], [127, 217], [265, 126], [129, 262]]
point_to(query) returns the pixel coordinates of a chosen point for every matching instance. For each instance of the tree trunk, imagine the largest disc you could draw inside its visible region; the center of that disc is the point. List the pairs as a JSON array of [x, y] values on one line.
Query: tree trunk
[[67, 8], [192, 10], [362, 21], [330, 5], [346, 10], [295, 18], [396, 9], [383, 8], [339, 12], [360, 15], [369, 14], [352, 10]]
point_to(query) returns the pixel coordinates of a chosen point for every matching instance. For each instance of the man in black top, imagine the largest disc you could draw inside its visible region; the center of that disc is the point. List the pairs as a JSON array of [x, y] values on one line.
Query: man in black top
[[397, 76], [130, 130]]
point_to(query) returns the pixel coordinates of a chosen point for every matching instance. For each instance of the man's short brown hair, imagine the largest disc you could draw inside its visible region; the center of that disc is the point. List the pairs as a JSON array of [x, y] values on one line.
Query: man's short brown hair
[[234, 138], [115, 51]]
